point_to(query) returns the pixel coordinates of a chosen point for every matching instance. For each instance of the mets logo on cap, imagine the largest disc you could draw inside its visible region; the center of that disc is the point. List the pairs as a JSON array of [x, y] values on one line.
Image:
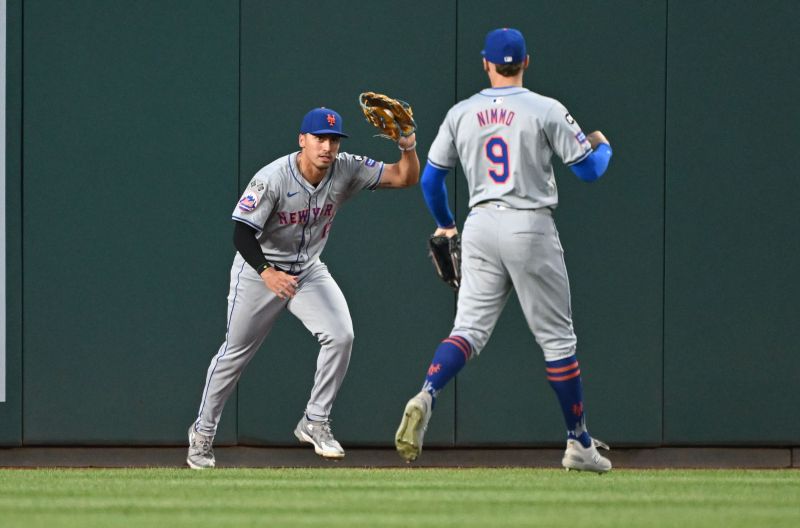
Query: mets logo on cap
[[322, 121]]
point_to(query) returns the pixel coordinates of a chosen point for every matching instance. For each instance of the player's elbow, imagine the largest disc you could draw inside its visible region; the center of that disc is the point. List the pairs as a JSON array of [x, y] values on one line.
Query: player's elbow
[[594, 165], [412, 178], [408, 177], [588, 175]]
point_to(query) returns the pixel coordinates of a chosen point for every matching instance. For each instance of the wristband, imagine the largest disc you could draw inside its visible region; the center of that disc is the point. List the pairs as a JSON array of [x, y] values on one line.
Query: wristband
[[263, 267], [412, 147]]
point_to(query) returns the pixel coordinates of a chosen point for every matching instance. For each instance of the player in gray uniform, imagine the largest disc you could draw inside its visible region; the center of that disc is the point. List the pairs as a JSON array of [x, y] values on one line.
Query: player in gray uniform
[[505, 137], [282, 222]]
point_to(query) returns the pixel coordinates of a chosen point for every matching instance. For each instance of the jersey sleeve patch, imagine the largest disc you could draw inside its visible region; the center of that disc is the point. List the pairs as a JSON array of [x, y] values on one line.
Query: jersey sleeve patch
[[249, 201], [369, 162], [251, 196], [257, 185]]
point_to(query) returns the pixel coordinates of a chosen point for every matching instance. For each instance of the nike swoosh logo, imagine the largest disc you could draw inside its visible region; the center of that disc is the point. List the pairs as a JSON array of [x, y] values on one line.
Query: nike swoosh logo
[[292, 194]]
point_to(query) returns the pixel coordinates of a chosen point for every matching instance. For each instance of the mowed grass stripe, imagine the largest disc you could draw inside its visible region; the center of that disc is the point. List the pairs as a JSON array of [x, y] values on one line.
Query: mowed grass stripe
[[398, 497]]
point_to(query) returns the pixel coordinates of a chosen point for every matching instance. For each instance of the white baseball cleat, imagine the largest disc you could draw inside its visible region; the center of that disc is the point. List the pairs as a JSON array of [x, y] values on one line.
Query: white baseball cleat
[[201, 454], [416, 415], [320, 436], [585, 458]]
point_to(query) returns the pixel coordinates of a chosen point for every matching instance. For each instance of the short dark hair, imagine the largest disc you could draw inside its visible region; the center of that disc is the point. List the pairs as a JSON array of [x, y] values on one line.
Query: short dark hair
[[509, 70]]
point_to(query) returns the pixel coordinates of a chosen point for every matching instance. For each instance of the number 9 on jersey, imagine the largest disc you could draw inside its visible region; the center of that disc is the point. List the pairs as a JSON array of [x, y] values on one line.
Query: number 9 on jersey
[[497, 152]]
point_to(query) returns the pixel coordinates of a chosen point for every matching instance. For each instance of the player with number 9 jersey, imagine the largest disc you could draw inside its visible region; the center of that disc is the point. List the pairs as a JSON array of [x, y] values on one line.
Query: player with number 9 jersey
[[505, 137]]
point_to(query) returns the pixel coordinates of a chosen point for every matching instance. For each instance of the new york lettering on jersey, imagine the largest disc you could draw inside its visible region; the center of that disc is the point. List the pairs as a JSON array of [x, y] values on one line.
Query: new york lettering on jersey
[[302, 216]]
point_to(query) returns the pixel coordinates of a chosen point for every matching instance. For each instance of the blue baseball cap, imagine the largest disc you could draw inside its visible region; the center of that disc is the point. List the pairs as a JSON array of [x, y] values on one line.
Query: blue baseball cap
[[322, 121], [504, 46]]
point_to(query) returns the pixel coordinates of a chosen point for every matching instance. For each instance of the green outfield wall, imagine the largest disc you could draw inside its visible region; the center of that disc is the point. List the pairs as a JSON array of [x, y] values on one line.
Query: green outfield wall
[[133, 126]]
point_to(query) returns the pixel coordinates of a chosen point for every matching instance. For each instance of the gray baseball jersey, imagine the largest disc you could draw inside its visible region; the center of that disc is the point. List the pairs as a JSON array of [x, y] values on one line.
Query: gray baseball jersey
[[293, 220], [505, 139]]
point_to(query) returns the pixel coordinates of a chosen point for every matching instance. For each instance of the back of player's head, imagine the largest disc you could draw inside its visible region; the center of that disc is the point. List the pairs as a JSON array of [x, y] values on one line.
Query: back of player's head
[[504, 46], [322, 121]]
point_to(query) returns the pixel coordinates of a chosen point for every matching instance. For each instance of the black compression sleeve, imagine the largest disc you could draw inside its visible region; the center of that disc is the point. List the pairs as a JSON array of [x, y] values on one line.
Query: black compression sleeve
[[244, 239]]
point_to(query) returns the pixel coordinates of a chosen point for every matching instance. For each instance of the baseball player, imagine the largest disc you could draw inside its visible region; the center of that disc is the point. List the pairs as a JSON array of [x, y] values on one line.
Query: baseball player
[[282, 222], [504, 137]]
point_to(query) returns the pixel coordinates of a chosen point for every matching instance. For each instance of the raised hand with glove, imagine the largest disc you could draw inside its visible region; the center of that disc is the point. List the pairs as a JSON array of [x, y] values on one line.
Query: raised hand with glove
[[395, 121]]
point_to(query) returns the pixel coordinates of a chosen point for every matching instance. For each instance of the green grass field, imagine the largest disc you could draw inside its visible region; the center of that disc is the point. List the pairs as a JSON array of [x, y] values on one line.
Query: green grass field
[[398, 497]]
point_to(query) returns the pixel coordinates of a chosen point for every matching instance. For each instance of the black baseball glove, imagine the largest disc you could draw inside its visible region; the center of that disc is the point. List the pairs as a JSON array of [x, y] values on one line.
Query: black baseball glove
[[445, 252]]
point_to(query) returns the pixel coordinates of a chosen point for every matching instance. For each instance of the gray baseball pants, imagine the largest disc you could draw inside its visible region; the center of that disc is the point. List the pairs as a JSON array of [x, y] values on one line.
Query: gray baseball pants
[[514, 248], [252, 311]]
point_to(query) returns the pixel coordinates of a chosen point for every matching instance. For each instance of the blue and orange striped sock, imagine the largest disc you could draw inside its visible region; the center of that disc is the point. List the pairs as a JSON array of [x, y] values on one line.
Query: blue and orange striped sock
[[564, 376], [450, 357]]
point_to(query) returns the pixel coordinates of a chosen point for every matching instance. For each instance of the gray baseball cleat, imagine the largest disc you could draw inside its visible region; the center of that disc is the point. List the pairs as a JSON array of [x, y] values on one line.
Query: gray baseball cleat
[[320, 436], [416, 415], [201, 454], [585, 458]]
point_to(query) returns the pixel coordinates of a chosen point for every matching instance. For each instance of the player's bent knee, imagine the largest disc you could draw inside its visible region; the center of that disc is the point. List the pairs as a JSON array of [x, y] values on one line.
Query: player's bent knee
[[346, 339], [340, 340]]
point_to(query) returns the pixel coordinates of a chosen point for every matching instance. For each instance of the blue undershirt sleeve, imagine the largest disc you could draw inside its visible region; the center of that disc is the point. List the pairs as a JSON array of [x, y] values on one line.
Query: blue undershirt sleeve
[[594, 165], [435, 193]]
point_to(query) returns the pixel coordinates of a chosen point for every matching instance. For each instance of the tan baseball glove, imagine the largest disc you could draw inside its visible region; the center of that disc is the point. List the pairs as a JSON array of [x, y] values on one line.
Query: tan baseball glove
[[393, 117]]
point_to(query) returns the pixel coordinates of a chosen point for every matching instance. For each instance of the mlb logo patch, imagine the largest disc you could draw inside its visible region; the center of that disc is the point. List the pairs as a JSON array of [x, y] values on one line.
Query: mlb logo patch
[[370, 162], [248, 202], [581, 137]]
